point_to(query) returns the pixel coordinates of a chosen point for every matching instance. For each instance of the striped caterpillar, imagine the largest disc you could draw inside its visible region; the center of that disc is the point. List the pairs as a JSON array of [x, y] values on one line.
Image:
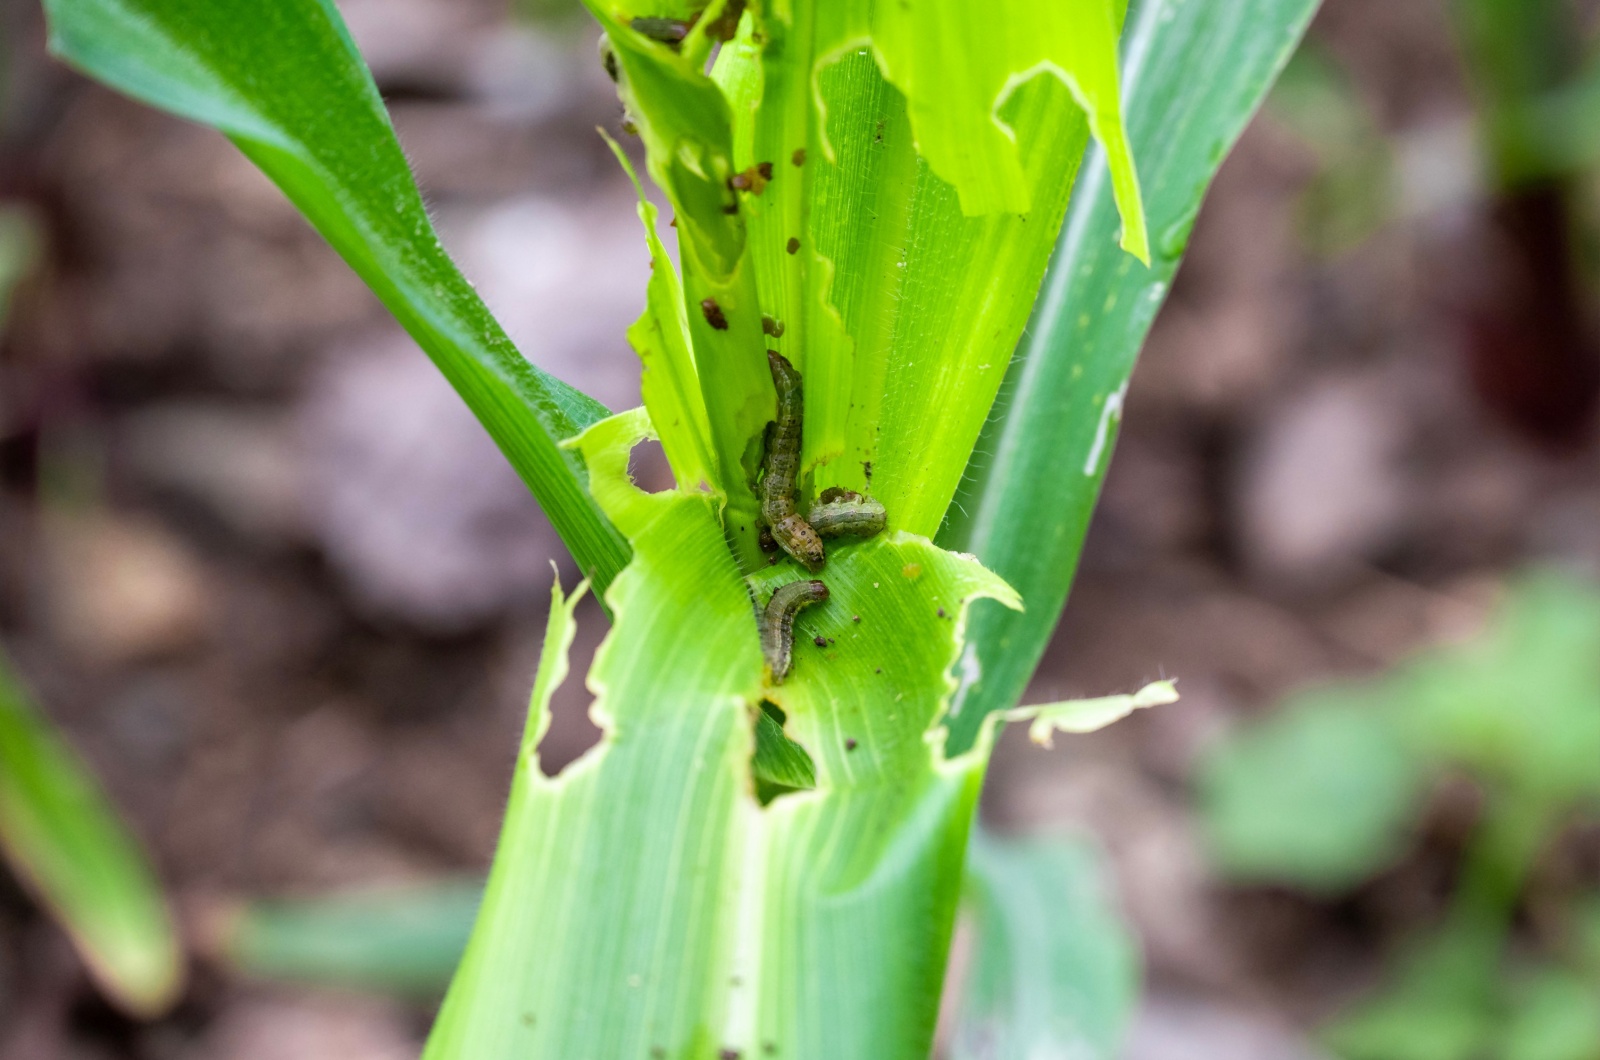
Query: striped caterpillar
[[840, 511], [780, 464], [776, 623]]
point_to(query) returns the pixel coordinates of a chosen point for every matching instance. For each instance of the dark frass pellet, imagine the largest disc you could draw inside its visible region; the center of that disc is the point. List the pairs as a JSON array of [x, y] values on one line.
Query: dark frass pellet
[[855, 618], [799, 156], [713, 314], [726, 26], [793, 246], [821, 642], [941, 612], [765, 169], [772, 327], [850, 743]]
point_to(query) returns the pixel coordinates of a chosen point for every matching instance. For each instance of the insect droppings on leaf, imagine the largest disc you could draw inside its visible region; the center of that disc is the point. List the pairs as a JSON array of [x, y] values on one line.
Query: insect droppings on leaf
[[608, 59], [941, 612], [754, 179], [713, 314], [855, 618], [793, 246], [850, 743], [820, 641], [799, 156], [772, 327]]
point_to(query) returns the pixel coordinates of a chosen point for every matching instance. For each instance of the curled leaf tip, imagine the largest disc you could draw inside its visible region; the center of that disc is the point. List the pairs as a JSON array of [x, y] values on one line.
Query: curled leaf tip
[[1089, 715]]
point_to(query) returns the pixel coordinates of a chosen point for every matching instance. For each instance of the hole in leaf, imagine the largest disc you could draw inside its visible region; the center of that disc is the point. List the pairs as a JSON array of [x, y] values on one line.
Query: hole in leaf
[[779, 764], [648, 467], [572, 734]]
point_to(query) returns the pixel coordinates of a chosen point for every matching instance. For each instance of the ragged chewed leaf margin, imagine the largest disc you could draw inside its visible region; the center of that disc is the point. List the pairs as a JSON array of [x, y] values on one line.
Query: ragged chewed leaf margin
[[649, 862], [779, 217]]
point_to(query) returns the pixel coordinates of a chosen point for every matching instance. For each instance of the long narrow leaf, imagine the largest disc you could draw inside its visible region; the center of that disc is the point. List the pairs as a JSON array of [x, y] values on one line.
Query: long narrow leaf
[[402, 941], [1056, 972], [1193, 74], [284, 81], [64, 840]]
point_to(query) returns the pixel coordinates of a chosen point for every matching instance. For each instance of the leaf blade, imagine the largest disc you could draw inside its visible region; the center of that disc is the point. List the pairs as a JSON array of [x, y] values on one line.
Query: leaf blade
[[284, 82], [1056, 972], [64, 839], [1193, 74]]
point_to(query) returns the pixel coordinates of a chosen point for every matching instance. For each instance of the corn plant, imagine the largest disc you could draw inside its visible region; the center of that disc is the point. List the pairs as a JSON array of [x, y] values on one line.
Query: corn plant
[[764, 854]]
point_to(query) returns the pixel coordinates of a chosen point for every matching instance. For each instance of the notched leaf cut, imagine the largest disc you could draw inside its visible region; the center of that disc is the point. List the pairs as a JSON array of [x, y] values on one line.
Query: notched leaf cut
[[957, 66], [669, 385]]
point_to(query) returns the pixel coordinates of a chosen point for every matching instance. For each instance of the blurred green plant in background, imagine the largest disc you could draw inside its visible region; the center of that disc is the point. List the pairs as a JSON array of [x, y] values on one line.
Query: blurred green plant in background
[[1329, 791]]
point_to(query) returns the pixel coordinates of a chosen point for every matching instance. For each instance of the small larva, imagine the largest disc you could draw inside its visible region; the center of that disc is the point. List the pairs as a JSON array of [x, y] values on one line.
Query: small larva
[[668, 31], [838, 512], [777, 623], [796, 537], [781, 462]]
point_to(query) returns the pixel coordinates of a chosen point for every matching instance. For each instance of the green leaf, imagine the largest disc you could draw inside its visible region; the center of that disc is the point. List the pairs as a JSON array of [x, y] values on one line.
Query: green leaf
[[779, 764], [401, 941], [1441, 1005], [1056, 972], [1555, 1015], [284, 81], [1321, 794], [669, 383], [1519, 706], [65, 842], [847, 251], [19, 247], [1082, 715], [1193, 73], [669, 910], [959, 64]]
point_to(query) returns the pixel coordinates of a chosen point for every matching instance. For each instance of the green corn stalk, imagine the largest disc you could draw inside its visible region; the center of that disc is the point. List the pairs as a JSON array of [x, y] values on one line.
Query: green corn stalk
[[873, 190]]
